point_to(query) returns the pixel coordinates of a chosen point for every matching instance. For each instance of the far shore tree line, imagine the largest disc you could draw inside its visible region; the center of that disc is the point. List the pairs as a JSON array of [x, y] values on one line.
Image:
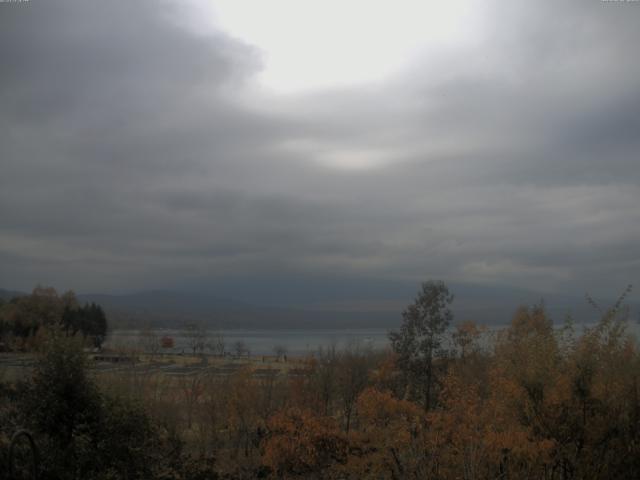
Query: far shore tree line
[[23, 317], [538, 401]]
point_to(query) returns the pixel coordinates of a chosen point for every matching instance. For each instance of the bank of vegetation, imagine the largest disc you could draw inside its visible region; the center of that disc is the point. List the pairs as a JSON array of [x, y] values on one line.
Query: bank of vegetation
[[532, 401]]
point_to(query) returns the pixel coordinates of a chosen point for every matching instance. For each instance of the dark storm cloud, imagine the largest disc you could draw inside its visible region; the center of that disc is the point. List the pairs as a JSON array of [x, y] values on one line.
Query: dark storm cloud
[[131, 157]]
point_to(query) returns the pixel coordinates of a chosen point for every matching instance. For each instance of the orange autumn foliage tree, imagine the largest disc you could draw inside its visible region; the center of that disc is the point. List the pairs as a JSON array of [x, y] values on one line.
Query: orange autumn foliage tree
[[466, 338], [300, 443], [390, 442], [386, 376], [577, 398], [476, 437], [458, 430]]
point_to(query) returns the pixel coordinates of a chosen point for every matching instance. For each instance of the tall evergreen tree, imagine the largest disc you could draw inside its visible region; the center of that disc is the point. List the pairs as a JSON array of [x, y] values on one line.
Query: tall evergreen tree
[[419, 339]]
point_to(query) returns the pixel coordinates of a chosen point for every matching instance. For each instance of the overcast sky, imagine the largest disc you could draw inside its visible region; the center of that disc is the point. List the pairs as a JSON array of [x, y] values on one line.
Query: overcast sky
[[158, 144]]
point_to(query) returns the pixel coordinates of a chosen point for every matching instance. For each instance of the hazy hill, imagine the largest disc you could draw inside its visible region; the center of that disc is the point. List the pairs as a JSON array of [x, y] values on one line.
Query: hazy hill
[[173, 308]]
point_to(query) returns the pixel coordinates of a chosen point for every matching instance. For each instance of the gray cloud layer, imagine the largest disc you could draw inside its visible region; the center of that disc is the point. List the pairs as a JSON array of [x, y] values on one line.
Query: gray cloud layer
[[130, 158]]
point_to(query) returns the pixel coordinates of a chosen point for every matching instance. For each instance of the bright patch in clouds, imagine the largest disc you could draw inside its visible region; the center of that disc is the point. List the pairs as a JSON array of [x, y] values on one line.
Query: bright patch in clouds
[[340, 158], [310, 45]]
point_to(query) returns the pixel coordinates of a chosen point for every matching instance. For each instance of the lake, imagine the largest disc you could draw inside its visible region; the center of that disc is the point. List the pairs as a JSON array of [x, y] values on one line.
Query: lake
[[296, 342], [263, 342]]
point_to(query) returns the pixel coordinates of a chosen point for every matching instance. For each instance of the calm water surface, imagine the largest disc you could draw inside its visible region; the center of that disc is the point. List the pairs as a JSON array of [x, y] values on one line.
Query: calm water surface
[[263, 342], [296, 342]]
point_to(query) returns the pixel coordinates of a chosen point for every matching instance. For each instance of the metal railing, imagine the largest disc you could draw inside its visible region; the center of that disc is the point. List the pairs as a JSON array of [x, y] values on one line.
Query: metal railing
[[35, 457]]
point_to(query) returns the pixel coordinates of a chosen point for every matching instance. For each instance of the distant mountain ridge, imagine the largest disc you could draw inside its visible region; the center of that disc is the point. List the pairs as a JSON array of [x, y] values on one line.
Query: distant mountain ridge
[[162, 308], [9, 294], [170, 309]]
